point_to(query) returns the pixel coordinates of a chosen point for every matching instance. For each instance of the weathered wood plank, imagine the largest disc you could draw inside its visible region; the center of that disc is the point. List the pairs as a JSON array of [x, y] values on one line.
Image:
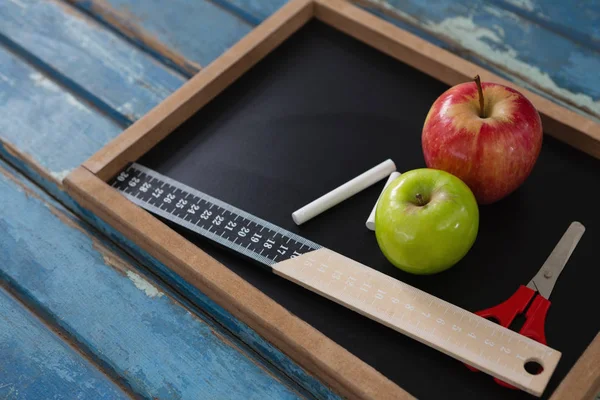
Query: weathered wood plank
[[116, 315], [36, 364], [521, 50], [50, 132], [547, 55], [578, 20], [48, 126], [223, 317], [82, 55], [183, 33], [55, 154], [255, 10]]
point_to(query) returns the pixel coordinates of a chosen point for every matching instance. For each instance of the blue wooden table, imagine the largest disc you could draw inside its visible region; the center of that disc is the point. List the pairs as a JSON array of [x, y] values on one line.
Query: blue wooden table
[[79, 318]]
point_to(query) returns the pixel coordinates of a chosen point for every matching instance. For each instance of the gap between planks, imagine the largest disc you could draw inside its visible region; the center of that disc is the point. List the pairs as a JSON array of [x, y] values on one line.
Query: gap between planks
[[45, 317], [402, 19], [43, 356], [69, 85], [120, 23], [121, 265]]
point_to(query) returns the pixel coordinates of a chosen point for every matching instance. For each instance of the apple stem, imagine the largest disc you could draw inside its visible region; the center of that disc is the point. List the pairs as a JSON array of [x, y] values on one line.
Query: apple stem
[[420, 199], [480, 90]]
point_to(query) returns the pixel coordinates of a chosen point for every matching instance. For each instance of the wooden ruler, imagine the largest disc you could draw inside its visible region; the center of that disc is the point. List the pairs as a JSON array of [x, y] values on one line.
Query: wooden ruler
[[456, 332], [452, 330]]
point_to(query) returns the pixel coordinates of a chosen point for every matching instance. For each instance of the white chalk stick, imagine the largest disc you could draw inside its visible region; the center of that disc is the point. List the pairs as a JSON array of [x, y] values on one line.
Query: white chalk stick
[[371, 220], [343, 192]]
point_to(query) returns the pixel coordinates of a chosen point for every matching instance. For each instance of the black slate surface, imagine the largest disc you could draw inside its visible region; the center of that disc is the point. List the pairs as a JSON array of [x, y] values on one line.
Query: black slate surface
[[322, 109]]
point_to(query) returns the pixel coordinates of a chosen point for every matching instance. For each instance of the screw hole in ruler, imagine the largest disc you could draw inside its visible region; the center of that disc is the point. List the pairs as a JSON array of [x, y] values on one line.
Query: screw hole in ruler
[[533, 367]]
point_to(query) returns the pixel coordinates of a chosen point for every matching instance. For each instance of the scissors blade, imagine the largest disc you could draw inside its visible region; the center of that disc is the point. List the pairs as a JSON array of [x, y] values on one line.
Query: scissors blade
[[546, 277]]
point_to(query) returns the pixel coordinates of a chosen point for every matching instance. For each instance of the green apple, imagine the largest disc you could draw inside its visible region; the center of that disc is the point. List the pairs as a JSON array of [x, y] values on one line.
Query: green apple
[[426, 221]]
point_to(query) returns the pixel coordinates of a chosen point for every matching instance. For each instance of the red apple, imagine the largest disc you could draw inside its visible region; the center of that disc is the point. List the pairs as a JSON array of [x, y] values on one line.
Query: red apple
[[487, 134]]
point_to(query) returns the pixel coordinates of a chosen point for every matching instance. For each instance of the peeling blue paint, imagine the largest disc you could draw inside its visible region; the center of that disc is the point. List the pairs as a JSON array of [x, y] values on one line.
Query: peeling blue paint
[[92, 62], [199, 30], [199, 299], [259, 9], [550, 64], [48, 154], [236, 327], [578, 20], [45, 122], [549, 47], [37, 364], [152, 344]]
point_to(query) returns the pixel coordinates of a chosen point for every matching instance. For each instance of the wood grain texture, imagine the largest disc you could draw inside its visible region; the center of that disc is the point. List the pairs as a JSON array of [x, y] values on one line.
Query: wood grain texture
[[125, 24], [54, 154], [43, 124], [198, 91], [510, 37], [566, 125], [46, 131], [560, 122], [194, 33], [313, 351], [238, 328], [37, 364], [90, 61], [121, 319], [104, 40], [261, 10], [583, 382], [576, 20], [521, 49], [403, 308], [255, 10], [191, 265]]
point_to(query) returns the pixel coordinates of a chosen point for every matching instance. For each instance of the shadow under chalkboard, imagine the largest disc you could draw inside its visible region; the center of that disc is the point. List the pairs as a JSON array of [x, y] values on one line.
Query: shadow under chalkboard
[[323, 108]]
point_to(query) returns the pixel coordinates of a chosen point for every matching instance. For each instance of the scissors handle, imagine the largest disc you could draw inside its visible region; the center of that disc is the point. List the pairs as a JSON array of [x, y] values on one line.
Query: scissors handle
[[506, 312], [536, 319]]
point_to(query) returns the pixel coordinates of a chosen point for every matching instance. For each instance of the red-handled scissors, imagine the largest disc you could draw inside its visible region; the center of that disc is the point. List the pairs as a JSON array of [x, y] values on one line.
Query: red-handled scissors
[[539, 288]]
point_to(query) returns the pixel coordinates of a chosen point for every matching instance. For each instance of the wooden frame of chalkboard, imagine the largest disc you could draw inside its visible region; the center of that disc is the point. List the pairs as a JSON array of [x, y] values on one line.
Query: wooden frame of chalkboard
[[319, 355]]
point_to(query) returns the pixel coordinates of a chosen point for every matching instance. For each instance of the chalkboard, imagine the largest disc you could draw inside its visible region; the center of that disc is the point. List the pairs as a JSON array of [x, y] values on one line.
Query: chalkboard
[[323, 108]]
